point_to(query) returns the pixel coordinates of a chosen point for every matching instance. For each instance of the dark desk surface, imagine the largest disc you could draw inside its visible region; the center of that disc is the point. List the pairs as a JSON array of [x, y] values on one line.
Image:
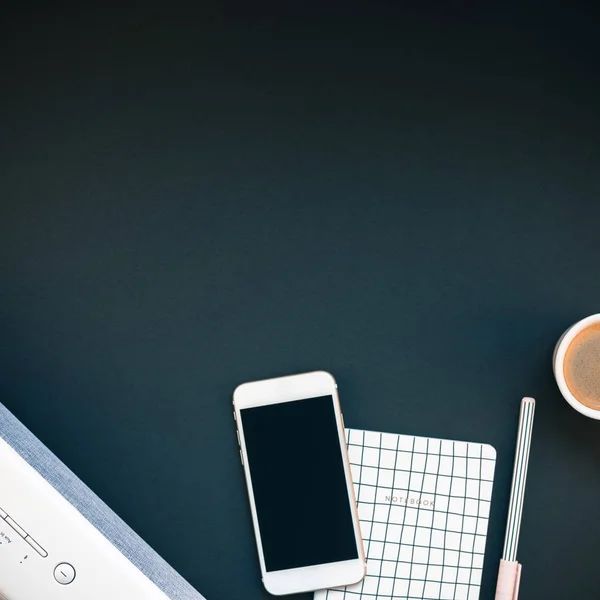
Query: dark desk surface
[[189, 202]]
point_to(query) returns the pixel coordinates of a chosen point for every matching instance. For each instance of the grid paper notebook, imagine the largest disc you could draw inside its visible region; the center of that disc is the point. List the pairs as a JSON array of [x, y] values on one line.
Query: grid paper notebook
[[423, 505]]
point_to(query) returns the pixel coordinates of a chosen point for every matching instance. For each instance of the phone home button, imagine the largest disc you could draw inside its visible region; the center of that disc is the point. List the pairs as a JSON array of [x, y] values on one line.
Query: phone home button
[[64, 573]]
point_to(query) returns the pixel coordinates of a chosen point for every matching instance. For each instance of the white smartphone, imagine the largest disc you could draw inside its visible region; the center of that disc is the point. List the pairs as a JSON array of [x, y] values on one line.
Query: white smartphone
[[293, 450]]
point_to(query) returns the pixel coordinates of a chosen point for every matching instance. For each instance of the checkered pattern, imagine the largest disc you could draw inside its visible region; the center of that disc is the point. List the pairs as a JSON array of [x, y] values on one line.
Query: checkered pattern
[[424, 506]]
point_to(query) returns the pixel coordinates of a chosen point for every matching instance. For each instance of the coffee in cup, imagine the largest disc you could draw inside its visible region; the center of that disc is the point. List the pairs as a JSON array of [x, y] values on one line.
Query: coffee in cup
[[577, 366]]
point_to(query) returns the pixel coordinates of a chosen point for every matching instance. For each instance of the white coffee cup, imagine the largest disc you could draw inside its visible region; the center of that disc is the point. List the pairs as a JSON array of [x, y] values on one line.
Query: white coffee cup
[[558, 362]]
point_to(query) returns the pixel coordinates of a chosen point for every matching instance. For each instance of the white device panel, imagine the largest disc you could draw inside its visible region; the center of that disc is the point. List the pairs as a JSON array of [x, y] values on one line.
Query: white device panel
[[49, 550]]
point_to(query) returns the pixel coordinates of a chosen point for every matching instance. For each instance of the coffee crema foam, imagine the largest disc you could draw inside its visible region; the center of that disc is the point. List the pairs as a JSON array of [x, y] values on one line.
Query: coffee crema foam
[[582, 366]]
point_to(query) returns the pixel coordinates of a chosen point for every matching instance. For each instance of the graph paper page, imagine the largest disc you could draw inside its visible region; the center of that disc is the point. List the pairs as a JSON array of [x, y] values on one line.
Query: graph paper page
[[424, 506]]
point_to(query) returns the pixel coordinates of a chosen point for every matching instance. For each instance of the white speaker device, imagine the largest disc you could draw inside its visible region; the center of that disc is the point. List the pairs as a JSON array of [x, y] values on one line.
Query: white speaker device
[[59, 541]]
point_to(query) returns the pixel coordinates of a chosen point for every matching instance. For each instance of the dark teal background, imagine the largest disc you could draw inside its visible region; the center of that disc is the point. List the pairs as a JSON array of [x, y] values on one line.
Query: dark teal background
[[407, 198]]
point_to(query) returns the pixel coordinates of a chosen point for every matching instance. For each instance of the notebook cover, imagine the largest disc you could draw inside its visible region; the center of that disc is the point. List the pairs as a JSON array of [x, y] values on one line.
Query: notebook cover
[[424, 506]]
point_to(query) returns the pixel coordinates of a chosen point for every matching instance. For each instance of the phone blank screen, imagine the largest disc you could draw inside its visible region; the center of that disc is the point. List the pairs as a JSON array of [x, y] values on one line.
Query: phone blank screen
[[300, 491]]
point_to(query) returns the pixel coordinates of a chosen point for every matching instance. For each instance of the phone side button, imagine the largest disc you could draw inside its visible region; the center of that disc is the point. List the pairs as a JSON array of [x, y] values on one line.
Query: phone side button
[[241, 458]]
